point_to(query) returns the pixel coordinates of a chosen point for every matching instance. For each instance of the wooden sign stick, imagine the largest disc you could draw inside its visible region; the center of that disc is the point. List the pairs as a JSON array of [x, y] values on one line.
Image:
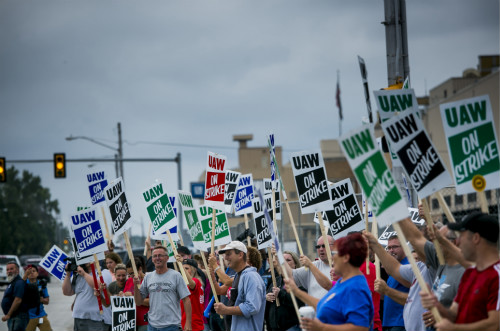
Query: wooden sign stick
[[108, 237], [293, 227], [216, 297], [183, 272], [366, 228], [213, 231], [249, 243], [416, 271], [294, 301], [428, 219], [130, 254], [149, 239], [273, 276], [325, 239], [482, 200], [377, 260], [444, 207]]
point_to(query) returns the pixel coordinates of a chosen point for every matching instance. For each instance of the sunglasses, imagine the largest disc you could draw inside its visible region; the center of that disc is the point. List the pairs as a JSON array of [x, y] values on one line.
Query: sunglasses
[[321, 246]]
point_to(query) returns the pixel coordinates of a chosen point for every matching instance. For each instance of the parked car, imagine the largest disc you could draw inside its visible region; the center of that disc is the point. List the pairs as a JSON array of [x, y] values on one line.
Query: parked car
[[23, 258], [42, 273], [3, 267]]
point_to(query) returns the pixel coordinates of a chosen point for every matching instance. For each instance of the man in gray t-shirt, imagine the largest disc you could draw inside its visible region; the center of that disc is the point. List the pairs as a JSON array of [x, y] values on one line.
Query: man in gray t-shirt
[[166, 289]]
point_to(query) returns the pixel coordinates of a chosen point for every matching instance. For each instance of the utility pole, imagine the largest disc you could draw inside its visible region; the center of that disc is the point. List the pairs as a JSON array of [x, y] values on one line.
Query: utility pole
[[398, 67]]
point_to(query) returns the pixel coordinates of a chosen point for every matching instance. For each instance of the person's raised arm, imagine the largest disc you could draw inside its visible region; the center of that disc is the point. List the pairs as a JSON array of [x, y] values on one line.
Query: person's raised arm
[[303, 296], [390, 263], [139, 300], [452, 251], [191, 284], [382, 288], [321, 278], [223, 277], [66, 285], [414, 236]]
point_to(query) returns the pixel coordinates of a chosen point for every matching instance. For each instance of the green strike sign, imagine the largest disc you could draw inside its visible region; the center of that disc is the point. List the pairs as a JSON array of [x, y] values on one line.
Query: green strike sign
[[159, 209], [194, 226], [472, 143], [373, 175], [222, 235]]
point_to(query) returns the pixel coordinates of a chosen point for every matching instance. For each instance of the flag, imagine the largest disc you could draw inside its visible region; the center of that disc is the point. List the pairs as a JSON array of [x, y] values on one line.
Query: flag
[[339, 104]]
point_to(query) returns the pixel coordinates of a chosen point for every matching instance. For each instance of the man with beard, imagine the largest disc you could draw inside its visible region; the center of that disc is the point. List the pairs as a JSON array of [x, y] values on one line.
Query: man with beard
[[15, 311]]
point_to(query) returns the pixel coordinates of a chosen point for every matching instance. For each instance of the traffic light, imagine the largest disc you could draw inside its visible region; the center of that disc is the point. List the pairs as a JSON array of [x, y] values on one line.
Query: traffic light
[[59, 165], [3, 170]]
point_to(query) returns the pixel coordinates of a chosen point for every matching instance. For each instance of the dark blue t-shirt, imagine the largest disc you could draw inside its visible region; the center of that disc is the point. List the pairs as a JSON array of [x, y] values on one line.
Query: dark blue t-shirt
[[14, 290], [347, 302], [393, 311]]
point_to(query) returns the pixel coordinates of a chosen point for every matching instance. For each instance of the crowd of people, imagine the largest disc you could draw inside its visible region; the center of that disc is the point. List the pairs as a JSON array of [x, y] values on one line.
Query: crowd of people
[[253, 291]]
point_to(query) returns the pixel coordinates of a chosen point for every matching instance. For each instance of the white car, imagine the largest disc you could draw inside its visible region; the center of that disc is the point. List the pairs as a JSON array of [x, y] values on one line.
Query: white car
[[3, 267]]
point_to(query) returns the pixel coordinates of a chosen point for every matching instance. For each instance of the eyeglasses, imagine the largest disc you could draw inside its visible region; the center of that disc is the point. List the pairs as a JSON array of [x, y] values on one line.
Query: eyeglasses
[[392, 247], [321, 246], [159, 256]]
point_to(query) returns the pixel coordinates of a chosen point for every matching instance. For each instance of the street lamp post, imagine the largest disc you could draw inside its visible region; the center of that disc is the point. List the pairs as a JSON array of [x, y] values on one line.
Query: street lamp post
[[119, 150]]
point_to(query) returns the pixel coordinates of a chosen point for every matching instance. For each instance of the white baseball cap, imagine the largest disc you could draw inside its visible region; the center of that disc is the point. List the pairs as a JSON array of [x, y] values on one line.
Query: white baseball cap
[[234, 245]]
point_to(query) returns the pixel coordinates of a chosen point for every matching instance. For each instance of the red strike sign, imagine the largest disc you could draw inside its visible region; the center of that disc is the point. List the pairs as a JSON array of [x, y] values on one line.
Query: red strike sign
[[215, 181]]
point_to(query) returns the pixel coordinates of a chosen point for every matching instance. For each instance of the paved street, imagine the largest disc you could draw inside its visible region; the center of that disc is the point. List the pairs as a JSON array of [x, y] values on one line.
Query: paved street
[[59, 309]]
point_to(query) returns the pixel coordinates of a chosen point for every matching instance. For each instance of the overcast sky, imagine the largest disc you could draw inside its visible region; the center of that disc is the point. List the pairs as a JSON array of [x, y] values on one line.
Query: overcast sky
[[198, 72]]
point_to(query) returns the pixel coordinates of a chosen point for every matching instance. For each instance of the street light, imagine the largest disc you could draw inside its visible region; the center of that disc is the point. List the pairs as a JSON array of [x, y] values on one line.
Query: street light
[[119, 150]]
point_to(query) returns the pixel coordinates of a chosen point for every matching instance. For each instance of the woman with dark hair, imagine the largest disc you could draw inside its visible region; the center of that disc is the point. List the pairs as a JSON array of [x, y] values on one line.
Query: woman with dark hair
[[141, 310], [349, 302]]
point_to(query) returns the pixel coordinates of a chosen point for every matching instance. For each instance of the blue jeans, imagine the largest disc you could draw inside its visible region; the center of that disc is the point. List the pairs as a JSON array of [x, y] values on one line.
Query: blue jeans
[[18, 322], [168, 328]]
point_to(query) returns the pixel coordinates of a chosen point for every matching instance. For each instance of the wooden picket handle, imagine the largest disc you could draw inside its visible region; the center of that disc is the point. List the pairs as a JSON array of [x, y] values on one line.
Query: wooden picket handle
[[416, 271], [444, 207], [377, 260], [149, 239], [273, 201], [482, 200], [130, 255], [428, 220], [249, 243], [294, 300], [108, 237], [366, 229], [325, 239], [273, 276], [293, 227], [216, 297], [183, 272]]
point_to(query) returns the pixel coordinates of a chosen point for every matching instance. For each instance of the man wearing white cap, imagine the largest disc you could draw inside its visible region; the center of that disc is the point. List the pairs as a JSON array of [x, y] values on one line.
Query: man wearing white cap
[[248, 295]]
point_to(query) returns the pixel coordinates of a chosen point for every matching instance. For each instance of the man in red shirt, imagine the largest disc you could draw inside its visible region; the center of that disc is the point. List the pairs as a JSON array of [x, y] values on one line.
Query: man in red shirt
[[477, 304]]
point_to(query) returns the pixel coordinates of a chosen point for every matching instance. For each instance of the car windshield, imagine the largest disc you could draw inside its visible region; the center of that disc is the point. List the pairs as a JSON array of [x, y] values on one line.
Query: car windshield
[[4, 259]]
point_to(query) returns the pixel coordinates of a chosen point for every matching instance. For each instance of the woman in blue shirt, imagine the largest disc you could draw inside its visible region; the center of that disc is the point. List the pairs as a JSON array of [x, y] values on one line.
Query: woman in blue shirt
[[348, 305]]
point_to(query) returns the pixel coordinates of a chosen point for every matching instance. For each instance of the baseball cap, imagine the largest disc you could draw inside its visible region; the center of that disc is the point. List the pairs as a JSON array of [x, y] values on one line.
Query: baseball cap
[[234, 245], [483, 224], [190, 262]]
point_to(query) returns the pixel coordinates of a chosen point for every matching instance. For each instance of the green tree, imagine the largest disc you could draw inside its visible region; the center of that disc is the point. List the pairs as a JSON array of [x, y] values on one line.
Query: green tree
[[28, 216]]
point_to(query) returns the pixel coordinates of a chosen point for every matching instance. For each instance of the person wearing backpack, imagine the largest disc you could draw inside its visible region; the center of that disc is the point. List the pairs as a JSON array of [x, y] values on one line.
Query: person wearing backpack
[[35, 297]]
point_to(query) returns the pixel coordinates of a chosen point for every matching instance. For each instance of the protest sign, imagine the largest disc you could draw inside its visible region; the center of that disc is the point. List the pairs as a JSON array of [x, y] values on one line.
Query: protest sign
[[232, 179], [262, 230], [87, 227], [270, 187], [55, 262], [97, 182], [123, 310], [191, 217], [118, 207], [222, 235], [345, 215], [372, 173], [390, 102], [417, 154], [215, 178], [472, 144], [83, 259], [310, 180], [389, 230], [160, 211], [244, 195]]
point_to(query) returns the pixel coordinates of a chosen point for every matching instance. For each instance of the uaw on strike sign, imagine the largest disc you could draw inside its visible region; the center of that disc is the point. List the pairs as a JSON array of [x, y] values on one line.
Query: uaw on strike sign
[[87, 227], [118, 207], [215, 181], [123, 309], [97, 182]]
